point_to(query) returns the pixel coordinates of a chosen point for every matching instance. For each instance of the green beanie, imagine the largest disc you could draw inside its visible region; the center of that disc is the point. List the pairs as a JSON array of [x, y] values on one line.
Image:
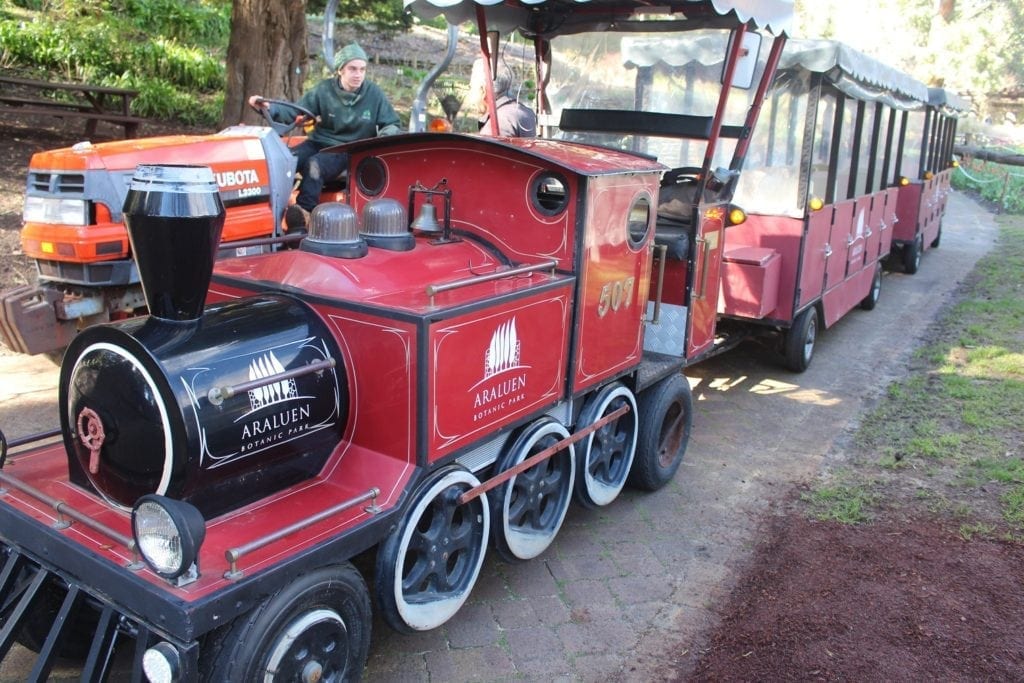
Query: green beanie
[[348, 53]]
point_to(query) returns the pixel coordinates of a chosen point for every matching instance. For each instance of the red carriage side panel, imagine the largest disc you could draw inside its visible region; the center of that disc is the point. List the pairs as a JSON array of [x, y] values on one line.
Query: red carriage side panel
[[836, 254], [815, 256], [931, 207], [873, 228], [908, 207], [888, 219], [857, 243], [834, 300]]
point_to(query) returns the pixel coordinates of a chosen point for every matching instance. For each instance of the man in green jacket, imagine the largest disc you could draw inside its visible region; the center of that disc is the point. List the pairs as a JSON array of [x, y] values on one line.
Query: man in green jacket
[[348, 107]]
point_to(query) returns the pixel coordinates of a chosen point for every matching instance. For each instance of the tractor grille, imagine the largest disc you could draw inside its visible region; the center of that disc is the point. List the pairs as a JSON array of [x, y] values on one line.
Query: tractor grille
[[57, 183], [102, 273], [57, 618]]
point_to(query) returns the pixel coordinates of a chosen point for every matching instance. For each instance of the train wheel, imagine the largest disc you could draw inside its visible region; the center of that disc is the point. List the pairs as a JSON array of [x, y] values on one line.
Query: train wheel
[[912, 255], [608, 452], [938, 238], [529, 508], [799, 344], [871, 300], [666, 416], [316, 628], [428, 566]]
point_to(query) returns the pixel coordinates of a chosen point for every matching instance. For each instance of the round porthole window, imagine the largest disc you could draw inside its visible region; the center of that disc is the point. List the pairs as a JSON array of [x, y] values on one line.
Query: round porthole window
[[371, 176], [549, 193], [638, 222]]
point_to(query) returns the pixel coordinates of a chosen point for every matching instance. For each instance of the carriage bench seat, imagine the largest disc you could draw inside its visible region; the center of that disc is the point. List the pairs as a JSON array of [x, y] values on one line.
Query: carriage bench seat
[[750, 281]]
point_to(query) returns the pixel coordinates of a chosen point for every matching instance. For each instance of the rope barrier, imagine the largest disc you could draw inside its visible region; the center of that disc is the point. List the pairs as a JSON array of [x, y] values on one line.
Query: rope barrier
[[990, 180], [973, 179]]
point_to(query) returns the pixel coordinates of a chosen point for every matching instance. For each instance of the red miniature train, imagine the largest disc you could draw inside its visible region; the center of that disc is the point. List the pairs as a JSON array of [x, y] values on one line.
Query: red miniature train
[[443, 363], [475, 339]]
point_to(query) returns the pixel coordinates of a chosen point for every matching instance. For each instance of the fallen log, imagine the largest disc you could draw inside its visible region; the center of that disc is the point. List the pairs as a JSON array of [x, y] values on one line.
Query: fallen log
[[985, 154]]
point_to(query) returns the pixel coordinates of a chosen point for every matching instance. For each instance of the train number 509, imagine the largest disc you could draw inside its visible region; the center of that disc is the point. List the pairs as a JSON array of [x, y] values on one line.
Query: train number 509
[[615, 295]]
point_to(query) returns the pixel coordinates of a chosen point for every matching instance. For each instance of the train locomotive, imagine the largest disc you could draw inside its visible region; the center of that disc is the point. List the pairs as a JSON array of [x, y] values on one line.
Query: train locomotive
[[442, 365]]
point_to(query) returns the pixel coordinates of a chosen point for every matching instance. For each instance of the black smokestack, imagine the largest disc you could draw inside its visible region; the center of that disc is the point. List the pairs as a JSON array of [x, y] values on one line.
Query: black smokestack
[[174, 217]]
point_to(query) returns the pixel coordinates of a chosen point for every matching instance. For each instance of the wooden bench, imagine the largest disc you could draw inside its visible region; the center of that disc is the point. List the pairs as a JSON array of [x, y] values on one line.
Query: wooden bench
[[94, 103]]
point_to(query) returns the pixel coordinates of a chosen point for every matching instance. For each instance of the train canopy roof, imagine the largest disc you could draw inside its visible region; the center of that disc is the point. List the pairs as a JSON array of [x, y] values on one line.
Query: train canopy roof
[[554, 17], [948, 103], [854, 73]]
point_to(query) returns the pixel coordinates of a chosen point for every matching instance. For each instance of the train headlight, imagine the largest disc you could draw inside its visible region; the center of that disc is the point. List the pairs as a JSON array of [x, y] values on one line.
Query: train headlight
[[737, 216], [54, 210], [162, 663], [168, 534]]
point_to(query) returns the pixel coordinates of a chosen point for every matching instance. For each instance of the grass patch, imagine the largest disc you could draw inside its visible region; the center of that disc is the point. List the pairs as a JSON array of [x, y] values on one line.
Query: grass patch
[[947, 437], [1013, 507], [841, 503]]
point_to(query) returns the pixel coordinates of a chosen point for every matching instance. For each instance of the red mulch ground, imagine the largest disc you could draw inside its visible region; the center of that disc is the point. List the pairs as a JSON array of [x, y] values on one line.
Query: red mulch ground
[[895, 600]]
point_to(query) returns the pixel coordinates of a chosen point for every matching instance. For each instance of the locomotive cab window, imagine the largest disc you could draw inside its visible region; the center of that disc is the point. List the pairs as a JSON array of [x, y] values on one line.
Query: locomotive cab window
[[549, 193], [371, 176], [638, 222]]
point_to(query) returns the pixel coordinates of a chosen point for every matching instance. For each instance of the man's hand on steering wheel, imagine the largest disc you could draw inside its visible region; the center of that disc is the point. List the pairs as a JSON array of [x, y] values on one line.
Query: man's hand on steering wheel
[[303, 116]]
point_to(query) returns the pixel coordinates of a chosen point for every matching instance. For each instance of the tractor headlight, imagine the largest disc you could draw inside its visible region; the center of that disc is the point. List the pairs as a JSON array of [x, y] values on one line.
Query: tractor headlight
[[168, 534], [56, 210]]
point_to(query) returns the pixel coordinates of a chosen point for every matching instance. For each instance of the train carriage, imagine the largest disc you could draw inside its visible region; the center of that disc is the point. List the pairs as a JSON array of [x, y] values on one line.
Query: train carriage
[[822, 194], [442, 365], [924, 185]]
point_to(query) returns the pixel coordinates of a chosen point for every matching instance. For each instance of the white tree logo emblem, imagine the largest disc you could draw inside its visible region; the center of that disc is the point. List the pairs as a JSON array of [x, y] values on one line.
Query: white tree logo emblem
[[503, 352], [264, 367]]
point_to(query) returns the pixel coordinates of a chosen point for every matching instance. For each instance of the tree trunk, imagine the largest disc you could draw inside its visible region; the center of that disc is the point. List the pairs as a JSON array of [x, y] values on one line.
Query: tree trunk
[[266, 55], [998, 156]]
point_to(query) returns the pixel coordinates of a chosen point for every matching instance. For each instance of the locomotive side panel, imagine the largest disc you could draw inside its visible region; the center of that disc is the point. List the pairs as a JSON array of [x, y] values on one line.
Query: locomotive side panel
[[489, 368], [383, 358], [615, 267]]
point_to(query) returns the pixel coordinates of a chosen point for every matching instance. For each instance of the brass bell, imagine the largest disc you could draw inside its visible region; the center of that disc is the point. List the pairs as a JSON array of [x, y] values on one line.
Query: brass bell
[[427, 220]]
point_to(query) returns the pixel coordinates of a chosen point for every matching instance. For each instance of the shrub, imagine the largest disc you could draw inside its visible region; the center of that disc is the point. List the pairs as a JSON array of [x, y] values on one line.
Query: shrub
[[154, 46], [997, 183]]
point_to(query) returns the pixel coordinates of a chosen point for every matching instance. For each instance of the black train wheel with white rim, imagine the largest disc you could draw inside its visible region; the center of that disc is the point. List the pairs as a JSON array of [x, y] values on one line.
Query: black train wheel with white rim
[[427, 567], [530, 507]]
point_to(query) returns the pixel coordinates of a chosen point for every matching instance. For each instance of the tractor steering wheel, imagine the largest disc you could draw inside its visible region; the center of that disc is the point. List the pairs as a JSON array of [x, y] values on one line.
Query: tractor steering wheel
[[303, 116]]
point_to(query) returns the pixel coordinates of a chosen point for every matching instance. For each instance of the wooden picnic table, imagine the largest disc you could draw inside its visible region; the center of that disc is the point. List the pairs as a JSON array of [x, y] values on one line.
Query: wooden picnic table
[[94, 103]]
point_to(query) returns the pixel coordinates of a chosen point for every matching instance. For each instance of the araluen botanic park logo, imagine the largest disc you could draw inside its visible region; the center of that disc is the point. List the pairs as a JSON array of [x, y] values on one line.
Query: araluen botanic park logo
[[504, 381]]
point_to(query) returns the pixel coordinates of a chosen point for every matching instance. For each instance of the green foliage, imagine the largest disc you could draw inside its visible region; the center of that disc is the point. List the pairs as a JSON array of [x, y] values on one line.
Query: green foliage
[[159, 47], [386, 15], [1003, 185], [203, 23]]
